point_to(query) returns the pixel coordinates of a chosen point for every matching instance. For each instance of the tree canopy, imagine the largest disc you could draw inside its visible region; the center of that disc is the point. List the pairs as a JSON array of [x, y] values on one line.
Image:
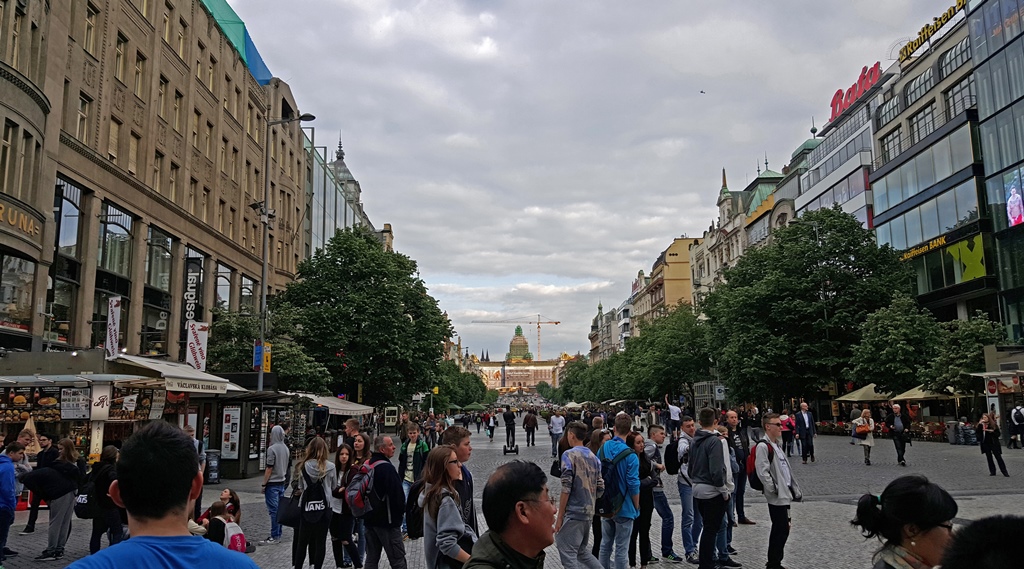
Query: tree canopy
[[786, 319], [366, 315]]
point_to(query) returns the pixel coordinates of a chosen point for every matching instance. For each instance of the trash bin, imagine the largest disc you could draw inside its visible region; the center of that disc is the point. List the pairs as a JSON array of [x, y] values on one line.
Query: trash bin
[[951, 431], [212, 467]]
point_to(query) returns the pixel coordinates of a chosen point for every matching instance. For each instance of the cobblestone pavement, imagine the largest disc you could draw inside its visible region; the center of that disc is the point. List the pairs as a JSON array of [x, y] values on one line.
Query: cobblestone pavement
[[821, 535]]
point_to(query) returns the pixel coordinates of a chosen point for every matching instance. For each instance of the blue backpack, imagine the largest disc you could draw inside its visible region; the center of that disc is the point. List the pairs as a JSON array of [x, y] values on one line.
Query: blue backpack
[[609, 504]]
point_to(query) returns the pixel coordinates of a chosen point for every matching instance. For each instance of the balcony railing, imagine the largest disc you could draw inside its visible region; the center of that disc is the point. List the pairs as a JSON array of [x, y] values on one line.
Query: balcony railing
[[909, 139]]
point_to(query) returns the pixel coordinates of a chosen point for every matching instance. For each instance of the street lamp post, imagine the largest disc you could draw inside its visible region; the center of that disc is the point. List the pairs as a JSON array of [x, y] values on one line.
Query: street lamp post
[[266, 214]]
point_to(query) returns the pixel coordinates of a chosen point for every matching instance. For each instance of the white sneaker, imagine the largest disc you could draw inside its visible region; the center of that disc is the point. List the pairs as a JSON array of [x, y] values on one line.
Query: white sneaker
[[268, 541]]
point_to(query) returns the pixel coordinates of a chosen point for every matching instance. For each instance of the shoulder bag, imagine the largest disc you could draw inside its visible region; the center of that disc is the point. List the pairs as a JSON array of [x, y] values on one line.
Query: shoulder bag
[[289, 511]]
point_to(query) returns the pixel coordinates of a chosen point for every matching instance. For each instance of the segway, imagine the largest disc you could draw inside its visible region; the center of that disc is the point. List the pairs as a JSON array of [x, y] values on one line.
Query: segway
[[510, 440]]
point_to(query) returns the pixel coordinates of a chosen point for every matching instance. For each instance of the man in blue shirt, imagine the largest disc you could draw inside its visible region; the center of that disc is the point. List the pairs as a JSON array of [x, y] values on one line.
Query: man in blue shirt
[[158, 479], [615, 530]]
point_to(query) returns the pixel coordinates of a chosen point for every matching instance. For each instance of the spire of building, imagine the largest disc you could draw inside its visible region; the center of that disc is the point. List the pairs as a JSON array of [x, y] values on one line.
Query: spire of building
[[340, 154], [765, 161], [725, 186]]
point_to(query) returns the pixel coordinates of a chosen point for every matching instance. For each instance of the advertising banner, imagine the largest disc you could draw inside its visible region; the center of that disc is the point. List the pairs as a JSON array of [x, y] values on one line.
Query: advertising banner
[[113, 327], [195, 345], [74, 403], [231, 425]]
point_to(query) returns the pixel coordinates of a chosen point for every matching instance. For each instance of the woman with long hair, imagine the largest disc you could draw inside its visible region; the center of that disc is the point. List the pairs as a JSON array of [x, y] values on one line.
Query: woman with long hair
[[57, 484], [642, 525], [361, 449], [447, 539], [597, 438], [342, 522], [912, 517], [788, 427], [232, 507], [988, 440], [108, 516], [314, 468]]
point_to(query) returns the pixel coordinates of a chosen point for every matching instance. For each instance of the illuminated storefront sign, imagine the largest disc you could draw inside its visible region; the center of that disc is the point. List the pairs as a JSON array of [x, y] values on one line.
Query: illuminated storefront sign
[[931, 29]]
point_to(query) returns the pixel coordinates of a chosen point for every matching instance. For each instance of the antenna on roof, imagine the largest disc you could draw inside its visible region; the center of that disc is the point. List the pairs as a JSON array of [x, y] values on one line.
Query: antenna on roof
[[766, 161], [758, 165], [814, 129]]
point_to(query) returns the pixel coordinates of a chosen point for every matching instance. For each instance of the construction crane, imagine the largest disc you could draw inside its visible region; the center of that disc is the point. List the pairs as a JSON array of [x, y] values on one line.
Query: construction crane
[[524, 320]]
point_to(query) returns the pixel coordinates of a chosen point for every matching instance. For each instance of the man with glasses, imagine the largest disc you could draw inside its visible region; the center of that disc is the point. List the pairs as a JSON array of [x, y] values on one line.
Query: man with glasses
[[47, 454], [780, 488], [520, 516]]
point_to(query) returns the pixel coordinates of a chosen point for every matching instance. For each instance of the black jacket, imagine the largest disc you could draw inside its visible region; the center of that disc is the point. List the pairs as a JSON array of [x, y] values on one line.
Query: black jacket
[[890, 422], [387, 485], [102, 475], [58, 479], [47, 457], [739, 440], [988, 441]]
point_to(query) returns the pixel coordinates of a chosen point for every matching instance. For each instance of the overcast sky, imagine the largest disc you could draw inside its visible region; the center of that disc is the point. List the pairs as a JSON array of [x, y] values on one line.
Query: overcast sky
[[533, 156]]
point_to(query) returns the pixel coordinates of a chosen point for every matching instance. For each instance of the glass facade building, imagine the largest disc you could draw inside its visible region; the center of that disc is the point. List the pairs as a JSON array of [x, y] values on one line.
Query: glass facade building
[[997, 46], [927, 184]]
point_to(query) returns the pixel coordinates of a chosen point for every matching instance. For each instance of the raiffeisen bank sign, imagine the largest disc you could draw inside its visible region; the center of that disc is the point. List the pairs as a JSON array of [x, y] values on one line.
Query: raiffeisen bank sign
[[931, 29]]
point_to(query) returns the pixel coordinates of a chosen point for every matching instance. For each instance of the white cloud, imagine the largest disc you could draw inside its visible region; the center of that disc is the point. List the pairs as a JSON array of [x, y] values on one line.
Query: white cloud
[[533, 156]]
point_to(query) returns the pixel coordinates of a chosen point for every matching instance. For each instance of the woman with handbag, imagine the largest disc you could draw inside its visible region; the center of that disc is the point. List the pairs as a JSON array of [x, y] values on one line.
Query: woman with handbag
[[57, 484], [342, 522], [447, 538], [317, 479], [108, 517], [988, 440], [863, 429]]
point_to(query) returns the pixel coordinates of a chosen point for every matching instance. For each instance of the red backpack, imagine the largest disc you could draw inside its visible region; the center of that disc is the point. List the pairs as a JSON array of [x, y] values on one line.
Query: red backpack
[[753, 480]]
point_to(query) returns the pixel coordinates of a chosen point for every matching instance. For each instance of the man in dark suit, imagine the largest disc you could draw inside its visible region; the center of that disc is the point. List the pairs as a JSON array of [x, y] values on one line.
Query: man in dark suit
[[805, 432], [898, 424]]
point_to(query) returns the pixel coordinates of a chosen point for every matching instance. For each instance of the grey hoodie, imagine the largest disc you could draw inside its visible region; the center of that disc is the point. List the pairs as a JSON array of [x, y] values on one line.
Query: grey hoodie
[[441, 536], [329, 481], [277, 456]]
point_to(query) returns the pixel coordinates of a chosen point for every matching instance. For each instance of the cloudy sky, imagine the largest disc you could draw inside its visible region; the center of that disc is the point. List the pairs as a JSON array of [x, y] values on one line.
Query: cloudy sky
[[533, 156]]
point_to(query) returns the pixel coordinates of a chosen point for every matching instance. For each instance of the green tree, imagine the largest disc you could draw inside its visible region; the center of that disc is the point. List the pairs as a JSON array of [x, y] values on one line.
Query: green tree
[[896, 348], [962, 352], [669, 356], [458, 387], [490, 397], [230, 350], [366, 315], [786, 319], [545, 390]]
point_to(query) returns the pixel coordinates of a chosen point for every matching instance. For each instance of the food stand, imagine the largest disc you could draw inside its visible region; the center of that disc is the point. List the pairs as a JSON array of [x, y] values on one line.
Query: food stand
[[94, 401]]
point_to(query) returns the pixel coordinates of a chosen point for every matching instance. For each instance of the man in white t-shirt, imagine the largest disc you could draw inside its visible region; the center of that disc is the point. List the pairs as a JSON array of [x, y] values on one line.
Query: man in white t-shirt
[[673, 416], [556, 425]]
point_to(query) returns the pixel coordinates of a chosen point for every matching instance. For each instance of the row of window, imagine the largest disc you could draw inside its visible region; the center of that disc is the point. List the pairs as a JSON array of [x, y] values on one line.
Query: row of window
[[114, 272], [994, 26], [932, 165], [1002, 138], [948, 62], [949, 210], [20, 153], [862, 142], [844, 191], [1000, 80], [838, 136]]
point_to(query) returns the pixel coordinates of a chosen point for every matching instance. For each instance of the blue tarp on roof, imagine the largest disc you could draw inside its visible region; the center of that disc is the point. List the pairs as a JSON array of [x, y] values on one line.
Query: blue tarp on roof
[[256, 65]]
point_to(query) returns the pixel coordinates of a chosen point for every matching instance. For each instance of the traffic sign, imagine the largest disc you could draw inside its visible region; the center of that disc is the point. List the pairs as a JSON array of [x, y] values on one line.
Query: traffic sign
[[267, 348], [719, 393]]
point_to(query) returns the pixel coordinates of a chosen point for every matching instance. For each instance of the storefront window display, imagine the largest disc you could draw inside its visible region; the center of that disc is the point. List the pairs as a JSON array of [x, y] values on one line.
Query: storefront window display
[[16, 284]]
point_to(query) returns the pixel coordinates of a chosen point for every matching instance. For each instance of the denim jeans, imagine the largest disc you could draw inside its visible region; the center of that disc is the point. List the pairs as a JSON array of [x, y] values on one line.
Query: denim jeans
[[615, 533], [407, 486], [690, 521], [668, 522], [554, 444], [272, 496]]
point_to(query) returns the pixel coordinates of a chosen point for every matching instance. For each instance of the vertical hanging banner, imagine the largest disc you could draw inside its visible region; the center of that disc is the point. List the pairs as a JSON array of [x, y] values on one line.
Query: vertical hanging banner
[[113, 327], [195, 345]]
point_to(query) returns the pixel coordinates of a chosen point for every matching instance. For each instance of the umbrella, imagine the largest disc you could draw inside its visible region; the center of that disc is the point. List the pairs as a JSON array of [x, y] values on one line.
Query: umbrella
[[572, 405], [474, 406], [454, 406], [866, 393], [920, 394]]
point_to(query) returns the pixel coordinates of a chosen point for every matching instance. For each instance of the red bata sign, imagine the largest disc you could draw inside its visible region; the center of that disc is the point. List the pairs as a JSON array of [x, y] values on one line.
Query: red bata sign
[[844, 100]]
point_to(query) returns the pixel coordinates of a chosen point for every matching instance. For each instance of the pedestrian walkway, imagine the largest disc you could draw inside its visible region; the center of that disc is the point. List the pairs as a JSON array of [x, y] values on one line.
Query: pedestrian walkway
[[821, 535]]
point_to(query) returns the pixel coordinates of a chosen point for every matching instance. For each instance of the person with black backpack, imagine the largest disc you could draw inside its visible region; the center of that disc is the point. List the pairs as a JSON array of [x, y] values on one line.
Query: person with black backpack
[[773, 474], [107, 518], [710, 472], [656, 437], [1017, 426], [317, 479]]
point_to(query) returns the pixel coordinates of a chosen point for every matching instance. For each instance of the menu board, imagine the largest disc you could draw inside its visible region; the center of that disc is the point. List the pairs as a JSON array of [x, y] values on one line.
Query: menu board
[[130, 403], [254, 431], [230, 427], [156, 411], [74, 403], [42, 404]]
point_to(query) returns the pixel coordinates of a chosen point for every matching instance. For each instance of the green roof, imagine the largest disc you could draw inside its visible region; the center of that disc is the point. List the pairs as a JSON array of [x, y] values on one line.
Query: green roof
[[809, 144]]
